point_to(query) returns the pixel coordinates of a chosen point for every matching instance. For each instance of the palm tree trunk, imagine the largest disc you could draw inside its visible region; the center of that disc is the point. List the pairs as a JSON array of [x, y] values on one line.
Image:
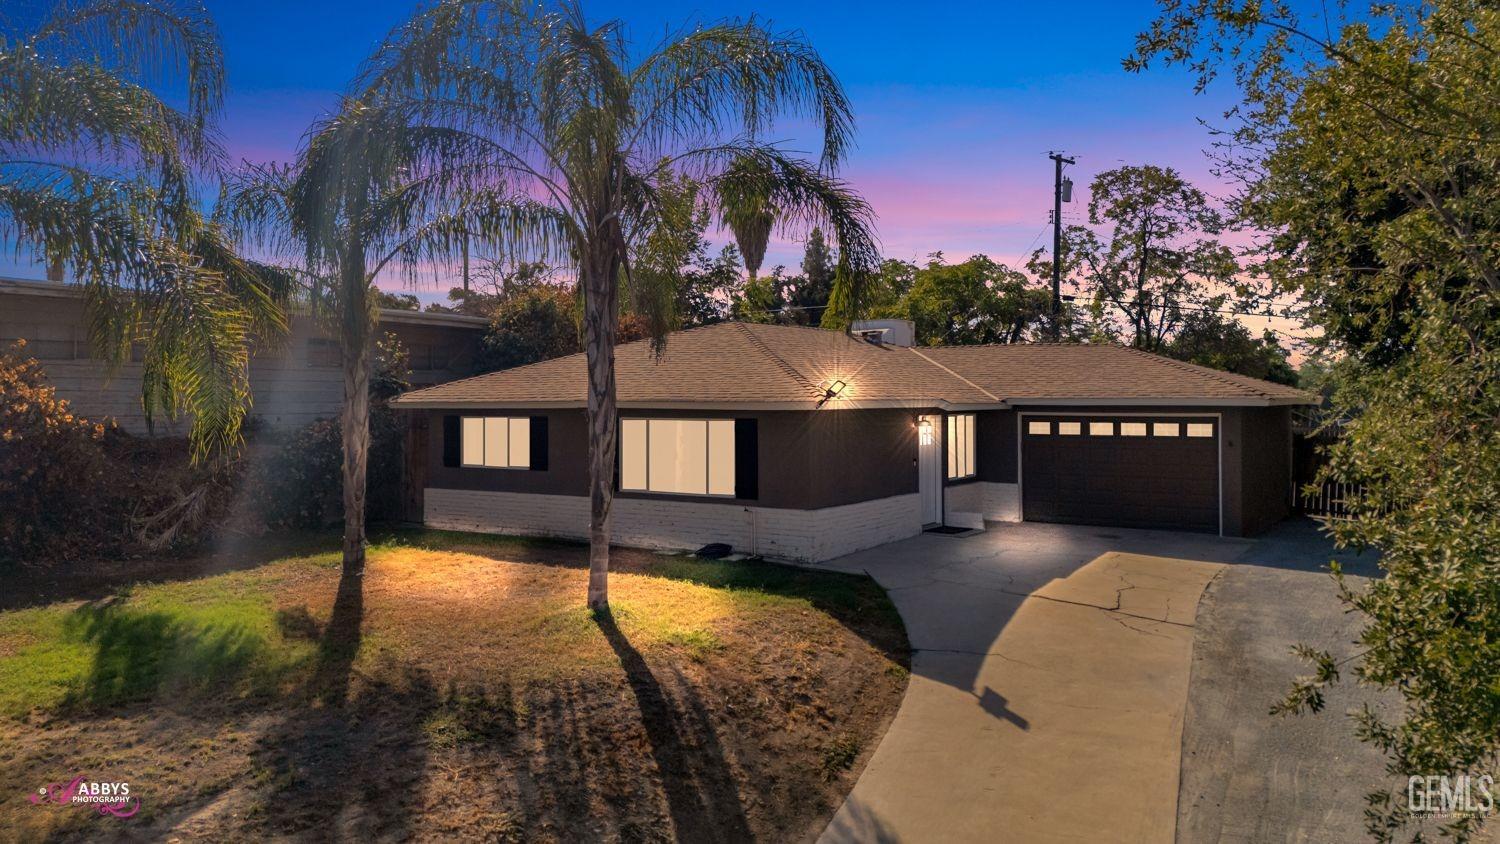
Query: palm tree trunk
[[599, 323], [354, 341]]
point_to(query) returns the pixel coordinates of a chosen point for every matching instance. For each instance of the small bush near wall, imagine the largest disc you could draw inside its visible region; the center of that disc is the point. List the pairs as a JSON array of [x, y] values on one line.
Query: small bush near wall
[[55, 479], [72, 489], [295, 479]]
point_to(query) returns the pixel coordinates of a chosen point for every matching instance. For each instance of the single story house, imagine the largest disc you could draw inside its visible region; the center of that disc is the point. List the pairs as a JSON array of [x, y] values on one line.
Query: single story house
[[808, 444]]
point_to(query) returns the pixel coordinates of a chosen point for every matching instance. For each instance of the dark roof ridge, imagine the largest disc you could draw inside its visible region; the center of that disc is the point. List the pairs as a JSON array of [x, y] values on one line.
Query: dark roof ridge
[[776, 359]]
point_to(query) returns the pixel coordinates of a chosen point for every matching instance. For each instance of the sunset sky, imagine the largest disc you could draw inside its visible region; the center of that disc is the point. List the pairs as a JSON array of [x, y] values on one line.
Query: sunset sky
[[957, 104]]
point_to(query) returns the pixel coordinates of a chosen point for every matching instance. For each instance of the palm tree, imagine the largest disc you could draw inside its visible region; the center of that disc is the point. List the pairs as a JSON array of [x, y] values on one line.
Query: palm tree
[[749, 214], [371, 191], [98, 173], [567, 115]]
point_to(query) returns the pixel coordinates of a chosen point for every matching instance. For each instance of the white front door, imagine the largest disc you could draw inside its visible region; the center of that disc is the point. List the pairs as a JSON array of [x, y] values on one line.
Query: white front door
[[930, 468]]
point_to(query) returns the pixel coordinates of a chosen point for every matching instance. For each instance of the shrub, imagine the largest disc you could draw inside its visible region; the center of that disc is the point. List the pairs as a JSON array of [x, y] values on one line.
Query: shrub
[[54, 473], [296, 478]]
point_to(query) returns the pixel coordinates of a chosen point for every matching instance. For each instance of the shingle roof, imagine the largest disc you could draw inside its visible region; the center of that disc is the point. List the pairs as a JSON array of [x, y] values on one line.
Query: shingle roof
[[1073, 371], [746, 364]]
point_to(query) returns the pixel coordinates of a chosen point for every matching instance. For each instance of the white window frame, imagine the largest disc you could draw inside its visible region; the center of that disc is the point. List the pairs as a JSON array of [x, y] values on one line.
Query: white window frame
[[959, 445], [514, 426], [708, 463]]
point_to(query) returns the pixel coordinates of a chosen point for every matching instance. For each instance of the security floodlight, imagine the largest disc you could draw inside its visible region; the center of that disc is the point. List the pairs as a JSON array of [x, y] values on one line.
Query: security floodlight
[[832, 392]]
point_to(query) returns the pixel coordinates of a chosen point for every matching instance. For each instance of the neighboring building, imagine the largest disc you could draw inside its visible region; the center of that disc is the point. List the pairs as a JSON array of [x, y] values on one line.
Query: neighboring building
[[292, 385], [808, 444]]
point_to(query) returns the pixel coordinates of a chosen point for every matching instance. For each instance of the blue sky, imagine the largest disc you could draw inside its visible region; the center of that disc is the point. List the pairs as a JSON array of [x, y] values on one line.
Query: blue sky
[[956, 104]]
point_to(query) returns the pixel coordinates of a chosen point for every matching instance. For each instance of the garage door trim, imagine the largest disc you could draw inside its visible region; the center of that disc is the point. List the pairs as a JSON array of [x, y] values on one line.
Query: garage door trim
[[1021, 432]]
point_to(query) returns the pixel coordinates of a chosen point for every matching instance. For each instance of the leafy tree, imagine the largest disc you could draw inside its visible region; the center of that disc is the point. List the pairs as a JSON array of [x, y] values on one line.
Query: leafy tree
[[1209, 339], [496, 281], [1150, 253], [536, 323], [977, 301], [107, 113], [1366, 153], [396, 301], [806, 296], [761, 299], [674, 262], [566, 112]]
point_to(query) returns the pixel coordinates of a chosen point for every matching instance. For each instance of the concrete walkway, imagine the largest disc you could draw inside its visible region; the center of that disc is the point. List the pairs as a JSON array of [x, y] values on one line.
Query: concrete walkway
[[1049, 676]]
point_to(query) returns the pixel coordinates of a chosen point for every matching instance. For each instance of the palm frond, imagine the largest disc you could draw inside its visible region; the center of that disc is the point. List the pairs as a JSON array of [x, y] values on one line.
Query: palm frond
[[738, 78], [160, 42]]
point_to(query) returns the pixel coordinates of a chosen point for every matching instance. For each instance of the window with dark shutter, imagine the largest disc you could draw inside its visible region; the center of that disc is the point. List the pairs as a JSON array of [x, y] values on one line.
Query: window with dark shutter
[[451, 440], [746, 459], [538, 443]]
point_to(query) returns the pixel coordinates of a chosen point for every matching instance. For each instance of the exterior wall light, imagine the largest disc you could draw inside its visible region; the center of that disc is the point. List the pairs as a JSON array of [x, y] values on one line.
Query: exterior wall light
[[832, 392]]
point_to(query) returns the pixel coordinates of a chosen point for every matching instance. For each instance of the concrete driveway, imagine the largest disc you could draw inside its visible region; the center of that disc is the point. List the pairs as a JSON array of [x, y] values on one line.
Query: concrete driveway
[[1050, 672]]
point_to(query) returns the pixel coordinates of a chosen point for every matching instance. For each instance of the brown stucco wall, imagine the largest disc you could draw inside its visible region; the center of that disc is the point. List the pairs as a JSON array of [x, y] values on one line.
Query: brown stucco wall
[[995, 446], [1266, 474], [808, 459]]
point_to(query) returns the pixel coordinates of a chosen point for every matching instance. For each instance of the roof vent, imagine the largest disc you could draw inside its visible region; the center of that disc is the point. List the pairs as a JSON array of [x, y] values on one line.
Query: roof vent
[[885, 332]]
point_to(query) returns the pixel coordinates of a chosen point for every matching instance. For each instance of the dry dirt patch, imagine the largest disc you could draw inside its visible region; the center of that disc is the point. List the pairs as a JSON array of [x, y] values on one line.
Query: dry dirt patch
[[460, 690]]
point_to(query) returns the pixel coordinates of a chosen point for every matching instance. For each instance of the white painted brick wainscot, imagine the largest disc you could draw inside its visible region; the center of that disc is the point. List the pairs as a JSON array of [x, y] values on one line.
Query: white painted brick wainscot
[[808, 535], [994, 502]]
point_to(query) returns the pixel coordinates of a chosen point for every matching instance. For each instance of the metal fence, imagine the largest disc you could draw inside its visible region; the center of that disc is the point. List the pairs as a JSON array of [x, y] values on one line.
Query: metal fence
[[1330, 501]]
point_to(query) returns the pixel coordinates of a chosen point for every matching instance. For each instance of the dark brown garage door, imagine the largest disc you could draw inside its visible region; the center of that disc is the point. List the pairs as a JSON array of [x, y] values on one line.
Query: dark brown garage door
[[1124, 471]]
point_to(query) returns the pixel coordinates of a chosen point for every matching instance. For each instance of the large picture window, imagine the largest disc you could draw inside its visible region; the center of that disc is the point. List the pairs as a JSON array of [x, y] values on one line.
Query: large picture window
[[496, 442], [960, 445], [682, 456]]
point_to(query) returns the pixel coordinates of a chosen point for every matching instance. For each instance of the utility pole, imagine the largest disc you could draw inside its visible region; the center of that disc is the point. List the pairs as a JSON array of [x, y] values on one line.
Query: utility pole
[[1057, 201]]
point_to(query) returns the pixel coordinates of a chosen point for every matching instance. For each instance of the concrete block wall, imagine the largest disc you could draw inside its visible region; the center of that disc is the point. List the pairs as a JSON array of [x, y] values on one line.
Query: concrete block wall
[[994, 501], [809, 535], [288, 389]]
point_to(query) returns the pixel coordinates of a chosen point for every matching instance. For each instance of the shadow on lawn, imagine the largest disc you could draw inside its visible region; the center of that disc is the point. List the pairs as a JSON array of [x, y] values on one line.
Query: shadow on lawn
[[139, 654], [701, 794], [95, 579], [342, 767]]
